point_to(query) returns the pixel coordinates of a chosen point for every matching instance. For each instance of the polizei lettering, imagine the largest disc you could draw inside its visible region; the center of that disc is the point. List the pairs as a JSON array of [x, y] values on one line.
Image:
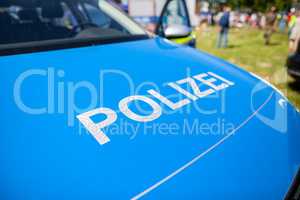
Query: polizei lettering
[[212, 81]]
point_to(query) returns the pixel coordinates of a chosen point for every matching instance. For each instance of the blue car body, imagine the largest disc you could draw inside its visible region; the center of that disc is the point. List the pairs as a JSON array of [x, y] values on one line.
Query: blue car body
[[49, 155]]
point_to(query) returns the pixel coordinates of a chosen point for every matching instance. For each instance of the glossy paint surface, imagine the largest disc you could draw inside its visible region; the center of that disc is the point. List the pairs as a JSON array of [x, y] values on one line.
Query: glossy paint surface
[[49, 156]]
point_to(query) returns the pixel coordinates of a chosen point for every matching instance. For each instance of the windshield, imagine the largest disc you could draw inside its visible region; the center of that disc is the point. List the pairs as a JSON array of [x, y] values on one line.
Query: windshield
[[33, 22]]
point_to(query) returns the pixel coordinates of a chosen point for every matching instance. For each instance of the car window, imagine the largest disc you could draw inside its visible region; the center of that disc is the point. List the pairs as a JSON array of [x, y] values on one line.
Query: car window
[[97, 17], [175, 14], [27, 21]]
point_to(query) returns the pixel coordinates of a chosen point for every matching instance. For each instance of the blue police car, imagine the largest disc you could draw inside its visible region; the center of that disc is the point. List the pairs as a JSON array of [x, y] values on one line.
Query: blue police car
[[92, 107]]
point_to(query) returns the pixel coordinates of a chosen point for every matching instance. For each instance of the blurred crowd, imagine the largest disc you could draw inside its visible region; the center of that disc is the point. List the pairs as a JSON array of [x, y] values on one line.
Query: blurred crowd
[[286, 22], [240, 19]]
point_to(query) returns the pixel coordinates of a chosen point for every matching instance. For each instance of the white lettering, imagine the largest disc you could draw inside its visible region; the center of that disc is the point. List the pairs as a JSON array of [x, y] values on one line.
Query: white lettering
[[124, 108], [95, 129]]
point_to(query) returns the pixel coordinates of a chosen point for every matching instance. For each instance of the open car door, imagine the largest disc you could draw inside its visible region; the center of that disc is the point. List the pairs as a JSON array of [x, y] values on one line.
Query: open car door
[[174, 23]]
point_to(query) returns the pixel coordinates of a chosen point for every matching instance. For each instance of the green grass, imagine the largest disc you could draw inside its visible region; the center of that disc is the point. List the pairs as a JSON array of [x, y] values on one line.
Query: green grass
[[247, 50]]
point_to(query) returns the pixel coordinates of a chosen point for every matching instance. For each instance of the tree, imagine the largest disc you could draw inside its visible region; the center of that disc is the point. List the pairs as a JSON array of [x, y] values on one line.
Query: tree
[[261, 5]]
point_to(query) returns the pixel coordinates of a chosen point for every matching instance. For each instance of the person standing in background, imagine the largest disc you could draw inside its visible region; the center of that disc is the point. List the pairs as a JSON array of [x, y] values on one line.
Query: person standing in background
[[271, 19], [224, 25], [282, 18], [295, 33], [291, 20], [262, 21]]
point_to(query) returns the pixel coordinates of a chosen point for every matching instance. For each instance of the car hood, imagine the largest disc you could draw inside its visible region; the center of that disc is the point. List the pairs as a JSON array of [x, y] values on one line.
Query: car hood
[[240, 142]]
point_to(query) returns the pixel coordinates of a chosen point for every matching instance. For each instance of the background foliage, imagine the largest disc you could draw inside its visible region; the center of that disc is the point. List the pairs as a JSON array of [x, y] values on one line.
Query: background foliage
[[260, 5]]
